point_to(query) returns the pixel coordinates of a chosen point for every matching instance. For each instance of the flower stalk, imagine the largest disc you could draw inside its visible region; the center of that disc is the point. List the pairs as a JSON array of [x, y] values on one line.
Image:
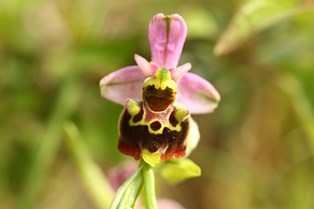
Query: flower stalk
[[149, 186]]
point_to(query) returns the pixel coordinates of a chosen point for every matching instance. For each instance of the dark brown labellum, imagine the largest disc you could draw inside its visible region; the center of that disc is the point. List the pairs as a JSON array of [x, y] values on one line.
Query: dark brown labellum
[[135, 138], [158, 99]]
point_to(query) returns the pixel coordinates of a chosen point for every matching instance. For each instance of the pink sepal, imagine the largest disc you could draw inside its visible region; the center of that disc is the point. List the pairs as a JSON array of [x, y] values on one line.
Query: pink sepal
[[122, 84], [197, 94], [166, 36]]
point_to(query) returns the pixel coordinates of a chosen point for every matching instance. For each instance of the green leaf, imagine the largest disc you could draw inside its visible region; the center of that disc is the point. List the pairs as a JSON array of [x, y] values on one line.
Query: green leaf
[[131, 194], [254, 16], [176, 171], [128, 193]]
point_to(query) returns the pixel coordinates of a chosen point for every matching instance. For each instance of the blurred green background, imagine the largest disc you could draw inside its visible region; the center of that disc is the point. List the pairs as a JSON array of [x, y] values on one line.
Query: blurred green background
[[256, 149]]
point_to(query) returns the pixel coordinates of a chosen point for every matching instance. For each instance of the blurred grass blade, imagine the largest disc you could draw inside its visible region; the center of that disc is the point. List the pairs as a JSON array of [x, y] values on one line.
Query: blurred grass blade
[[64, 107], [254, 16], [301, 105], [95, 182], [129, 191]]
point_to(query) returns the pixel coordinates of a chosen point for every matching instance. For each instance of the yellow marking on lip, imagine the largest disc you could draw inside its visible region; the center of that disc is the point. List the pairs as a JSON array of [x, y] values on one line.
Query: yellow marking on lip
[[134, 108], [168, 125]]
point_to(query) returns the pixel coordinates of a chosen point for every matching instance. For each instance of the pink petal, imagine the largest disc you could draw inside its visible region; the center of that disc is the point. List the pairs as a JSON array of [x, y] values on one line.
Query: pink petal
[[178, 72], [144, 65], [122, 84], [197, 94], [166, 37]]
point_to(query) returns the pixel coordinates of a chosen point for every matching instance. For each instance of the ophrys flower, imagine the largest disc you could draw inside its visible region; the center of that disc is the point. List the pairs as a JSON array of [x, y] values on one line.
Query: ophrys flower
[[159, 96]]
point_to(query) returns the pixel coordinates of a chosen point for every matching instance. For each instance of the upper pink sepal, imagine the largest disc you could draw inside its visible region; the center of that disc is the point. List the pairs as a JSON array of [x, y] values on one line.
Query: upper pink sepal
[[122, 84], [197, 94], [166, 36]]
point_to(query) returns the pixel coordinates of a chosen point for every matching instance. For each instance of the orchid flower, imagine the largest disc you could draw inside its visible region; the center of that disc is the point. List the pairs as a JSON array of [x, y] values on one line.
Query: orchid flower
[[159, 96]]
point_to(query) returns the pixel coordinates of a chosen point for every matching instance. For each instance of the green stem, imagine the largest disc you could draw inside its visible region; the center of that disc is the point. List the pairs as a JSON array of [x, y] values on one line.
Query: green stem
[[96, 183], [149, 186]]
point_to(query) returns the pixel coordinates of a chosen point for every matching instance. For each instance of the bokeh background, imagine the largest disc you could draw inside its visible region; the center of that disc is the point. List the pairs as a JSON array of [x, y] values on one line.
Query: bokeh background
[[256, 149]]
